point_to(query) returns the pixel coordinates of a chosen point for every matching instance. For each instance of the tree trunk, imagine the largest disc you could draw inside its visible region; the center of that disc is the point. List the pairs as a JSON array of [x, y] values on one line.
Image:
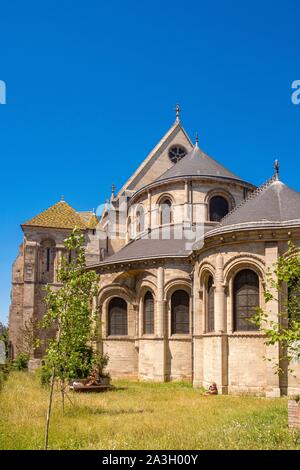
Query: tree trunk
[[63, 396], [49, 409]]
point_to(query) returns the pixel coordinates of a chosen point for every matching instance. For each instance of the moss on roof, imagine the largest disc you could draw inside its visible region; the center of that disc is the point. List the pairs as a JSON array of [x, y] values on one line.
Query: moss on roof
[[61, 215], [90, 219]]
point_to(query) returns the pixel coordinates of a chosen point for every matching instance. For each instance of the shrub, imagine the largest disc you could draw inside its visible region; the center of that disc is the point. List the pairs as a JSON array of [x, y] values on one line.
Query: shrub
[[44, 374], [86, 354], [99, 363], [4, 371], [2, 378], [21, 361]]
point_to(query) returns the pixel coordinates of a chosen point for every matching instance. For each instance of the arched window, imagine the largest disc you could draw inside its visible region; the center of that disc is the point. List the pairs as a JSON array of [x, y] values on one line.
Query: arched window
[[148, 314], [165, 210], [117, 317], [246, 299], [140, 220], [218, 208], [210, 304], [180, 316]]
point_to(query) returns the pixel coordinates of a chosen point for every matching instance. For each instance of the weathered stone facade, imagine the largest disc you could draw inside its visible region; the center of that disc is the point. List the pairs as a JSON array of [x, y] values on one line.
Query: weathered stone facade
[[172, 293]]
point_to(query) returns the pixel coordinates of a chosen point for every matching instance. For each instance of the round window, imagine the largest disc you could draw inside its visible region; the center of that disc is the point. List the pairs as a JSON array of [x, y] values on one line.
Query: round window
[[176, 153]]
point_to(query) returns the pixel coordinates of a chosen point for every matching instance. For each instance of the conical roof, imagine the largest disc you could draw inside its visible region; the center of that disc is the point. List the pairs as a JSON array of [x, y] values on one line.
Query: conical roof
[[273, 203], [197, 163]]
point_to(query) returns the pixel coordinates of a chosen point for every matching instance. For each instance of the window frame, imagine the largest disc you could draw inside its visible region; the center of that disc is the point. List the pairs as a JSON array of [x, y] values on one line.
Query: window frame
[[235, 317], [180, 147], [145, 320], [110, 331], [166, 201], [173, 321], [207, 304], [140, 219], [214, 196]]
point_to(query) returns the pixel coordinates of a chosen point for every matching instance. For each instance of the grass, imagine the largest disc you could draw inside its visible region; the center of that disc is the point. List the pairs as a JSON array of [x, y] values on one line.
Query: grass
[[142, 416]]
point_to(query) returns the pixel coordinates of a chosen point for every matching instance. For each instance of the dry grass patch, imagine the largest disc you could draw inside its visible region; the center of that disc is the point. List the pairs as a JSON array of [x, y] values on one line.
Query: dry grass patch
[[142, 416]]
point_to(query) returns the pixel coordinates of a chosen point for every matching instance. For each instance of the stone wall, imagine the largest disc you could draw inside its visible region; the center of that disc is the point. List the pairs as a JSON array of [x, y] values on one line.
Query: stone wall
[[246, 364], [123, 357], [179, 359]]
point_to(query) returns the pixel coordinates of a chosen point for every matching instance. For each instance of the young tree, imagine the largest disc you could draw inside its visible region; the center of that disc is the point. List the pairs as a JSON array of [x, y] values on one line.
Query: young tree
[[4, 336], [283, 287], [70, 315], [29, 338]]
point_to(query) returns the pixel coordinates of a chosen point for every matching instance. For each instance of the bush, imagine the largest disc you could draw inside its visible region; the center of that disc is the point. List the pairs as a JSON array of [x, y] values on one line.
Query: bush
[[44, 374], [87, 355], [21, 362], [4, 371], [2, 378], [100, 363]]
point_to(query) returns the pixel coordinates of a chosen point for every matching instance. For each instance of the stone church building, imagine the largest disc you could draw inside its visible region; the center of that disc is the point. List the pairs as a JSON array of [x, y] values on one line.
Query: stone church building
[[183, 250]]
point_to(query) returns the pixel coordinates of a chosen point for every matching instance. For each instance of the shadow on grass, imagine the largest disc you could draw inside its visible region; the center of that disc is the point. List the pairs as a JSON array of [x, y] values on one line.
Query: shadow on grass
[[117, 389], [88, 410]]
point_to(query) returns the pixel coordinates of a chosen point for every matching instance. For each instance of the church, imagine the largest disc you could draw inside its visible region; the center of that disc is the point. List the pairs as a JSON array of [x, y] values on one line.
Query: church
[[183, 250]]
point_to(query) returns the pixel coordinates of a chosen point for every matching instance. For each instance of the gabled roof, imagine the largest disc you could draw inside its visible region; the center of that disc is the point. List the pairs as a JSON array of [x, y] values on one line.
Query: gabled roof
[[61, 215], [171, 133], [197, 163], [274, 203]]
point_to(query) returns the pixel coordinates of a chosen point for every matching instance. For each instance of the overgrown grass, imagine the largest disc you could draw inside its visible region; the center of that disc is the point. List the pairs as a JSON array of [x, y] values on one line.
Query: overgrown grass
[[141, 416]]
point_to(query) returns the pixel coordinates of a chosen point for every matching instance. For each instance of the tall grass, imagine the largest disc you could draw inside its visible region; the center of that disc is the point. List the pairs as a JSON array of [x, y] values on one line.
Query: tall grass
[[141, 416]]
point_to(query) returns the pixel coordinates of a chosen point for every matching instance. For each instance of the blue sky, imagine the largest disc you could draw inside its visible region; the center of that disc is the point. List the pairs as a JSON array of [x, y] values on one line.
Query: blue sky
[[92, 87]]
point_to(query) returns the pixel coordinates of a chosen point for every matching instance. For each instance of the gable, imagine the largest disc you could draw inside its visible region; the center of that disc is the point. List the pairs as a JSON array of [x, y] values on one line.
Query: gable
[[158, 162]]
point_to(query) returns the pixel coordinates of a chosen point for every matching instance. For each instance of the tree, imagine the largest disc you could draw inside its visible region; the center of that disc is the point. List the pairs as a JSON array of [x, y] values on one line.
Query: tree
[[4, 336], [69, 314], [283, 287]]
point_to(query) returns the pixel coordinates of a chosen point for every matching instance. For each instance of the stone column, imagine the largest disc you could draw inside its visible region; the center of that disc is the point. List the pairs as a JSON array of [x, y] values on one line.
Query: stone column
[[206, 214], [197, 330], [198, 304], [186, 215], [159, 360], [220, 298], [217, 343], [149, 211], [30, 278], [140, 318], [126, 235], [272, 352], [29, 297], [59, 253], [160, 303]]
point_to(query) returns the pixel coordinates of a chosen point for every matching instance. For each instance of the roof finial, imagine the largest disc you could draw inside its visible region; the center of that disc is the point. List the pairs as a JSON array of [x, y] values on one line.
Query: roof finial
[[178, 113], [197, 140], [113, 188], [276, 166], [62, 198]]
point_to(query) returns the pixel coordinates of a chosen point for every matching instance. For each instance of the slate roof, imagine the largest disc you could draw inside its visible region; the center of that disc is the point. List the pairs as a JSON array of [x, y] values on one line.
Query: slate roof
[[61, 215], [272, 204], [198, 163], [152, 245]]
